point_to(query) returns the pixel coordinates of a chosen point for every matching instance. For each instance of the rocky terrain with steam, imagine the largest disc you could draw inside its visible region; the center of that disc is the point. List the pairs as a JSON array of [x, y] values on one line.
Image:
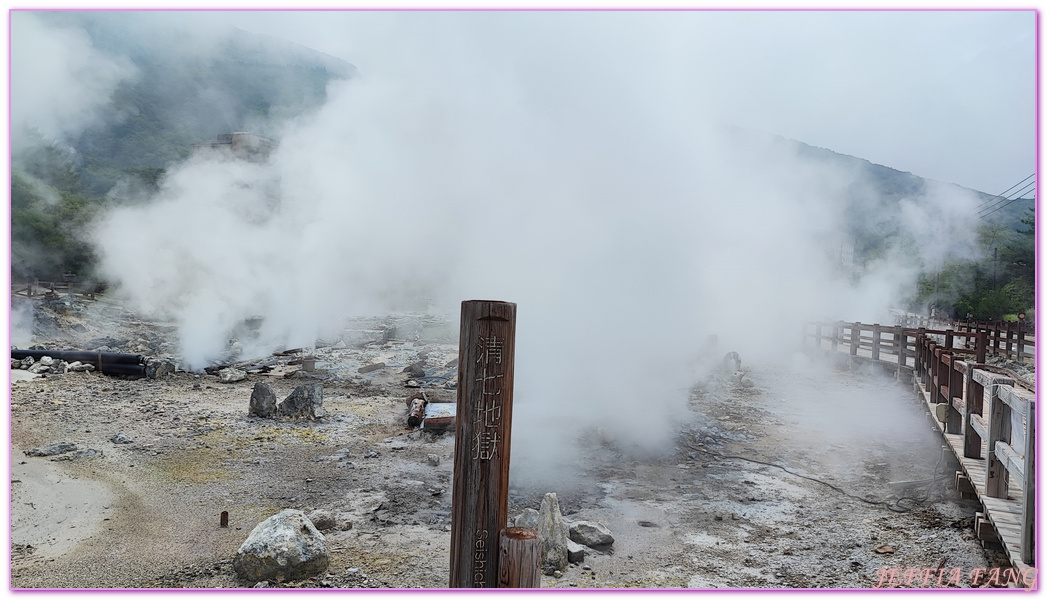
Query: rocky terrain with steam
[[778, 475]]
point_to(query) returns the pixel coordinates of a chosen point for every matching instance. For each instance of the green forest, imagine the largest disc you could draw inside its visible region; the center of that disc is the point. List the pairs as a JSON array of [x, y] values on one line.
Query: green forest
[[1000, 286]]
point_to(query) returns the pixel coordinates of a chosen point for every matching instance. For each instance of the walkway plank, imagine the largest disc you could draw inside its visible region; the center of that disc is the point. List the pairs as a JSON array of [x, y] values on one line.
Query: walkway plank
[[1004, 513]]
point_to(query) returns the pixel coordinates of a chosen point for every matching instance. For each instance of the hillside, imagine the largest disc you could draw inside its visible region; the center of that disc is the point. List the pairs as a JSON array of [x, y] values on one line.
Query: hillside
[[891, 185], [185, 86], [176, 83], [186, 93]]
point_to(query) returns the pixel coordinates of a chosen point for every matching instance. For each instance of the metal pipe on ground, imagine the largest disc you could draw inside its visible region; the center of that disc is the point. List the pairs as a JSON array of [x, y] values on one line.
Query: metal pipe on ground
[[84, 356], [119, 369], [108, 363]]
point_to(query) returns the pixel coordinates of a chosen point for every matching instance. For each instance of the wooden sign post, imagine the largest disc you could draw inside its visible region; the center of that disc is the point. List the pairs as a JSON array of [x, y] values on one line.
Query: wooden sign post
[[480, 500]]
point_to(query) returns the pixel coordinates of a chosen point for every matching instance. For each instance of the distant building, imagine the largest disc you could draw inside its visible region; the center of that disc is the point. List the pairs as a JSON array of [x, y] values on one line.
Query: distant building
[[243, 145], [257, 194]]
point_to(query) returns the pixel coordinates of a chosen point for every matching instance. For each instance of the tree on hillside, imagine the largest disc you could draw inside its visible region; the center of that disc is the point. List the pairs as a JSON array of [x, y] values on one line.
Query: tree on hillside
[[47, 231], [1017, 256], [1004, 282]]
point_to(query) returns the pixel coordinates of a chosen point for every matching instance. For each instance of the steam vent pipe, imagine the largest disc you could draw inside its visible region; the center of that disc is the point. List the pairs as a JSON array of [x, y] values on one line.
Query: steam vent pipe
[[94, 358], [110, 363]]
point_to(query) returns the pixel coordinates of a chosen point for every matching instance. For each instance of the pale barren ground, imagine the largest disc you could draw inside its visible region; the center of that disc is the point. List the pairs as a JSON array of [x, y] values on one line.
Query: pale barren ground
[[146, 514]]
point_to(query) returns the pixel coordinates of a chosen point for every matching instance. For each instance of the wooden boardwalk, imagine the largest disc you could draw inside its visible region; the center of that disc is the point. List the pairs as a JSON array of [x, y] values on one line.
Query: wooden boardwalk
[[1005, 514], [985, 415]]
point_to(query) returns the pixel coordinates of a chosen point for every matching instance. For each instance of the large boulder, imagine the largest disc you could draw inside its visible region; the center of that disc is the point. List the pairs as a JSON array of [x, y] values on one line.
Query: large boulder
[[305, 401], [284, 547], [528, 518], [156, 368], [231, 375], [263, 400], [591, 533], [553, 550]]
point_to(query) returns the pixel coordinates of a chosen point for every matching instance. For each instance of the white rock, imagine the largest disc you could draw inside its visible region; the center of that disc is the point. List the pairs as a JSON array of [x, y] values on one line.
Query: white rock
[[231, 375], [284, 547], [553, 550], [591, 533]]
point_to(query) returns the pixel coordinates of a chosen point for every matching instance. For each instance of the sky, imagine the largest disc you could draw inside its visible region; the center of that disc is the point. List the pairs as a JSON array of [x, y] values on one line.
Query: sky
[[946, 95]]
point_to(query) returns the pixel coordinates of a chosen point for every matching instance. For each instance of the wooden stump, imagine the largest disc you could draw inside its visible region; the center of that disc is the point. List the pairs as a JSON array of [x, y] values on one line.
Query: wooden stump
[[416, 413], [518, 558]]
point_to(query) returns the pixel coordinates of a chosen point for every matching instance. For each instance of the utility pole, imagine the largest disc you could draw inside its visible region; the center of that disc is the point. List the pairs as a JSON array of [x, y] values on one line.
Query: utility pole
[[994, 261], [937, 281]]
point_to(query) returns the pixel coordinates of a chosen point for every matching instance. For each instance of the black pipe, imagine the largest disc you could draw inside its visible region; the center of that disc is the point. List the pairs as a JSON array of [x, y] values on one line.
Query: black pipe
[[120, 369], [86, 357]]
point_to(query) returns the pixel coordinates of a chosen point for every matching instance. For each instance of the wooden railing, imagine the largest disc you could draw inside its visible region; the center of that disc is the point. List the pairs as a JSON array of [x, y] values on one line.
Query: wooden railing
[[986, 414], [895, 345], [51, 289], [1009, 339], [991, 413]]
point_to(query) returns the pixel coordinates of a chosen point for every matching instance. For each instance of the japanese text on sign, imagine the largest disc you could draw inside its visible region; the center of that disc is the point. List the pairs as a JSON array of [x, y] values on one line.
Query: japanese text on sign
[[488, 411]]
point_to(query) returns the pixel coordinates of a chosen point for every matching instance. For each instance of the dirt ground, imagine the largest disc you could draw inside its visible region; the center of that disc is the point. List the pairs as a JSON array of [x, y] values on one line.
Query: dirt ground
[[780, 478]]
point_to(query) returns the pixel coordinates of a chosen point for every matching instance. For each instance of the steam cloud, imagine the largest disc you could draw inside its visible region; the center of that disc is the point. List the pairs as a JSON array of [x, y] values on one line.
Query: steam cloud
[[62, 82], [580, 182]]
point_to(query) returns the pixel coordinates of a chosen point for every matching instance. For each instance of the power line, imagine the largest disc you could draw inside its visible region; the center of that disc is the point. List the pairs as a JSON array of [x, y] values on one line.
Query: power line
[[1027, 188], [1013, 196], [1002, 198], [1001, 207], [1006, 190]]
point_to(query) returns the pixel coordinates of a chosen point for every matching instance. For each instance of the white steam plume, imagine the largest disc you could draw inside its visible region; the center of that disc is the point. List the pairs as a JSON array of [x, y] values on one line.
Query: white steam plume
[[63, 84], [627, 227]]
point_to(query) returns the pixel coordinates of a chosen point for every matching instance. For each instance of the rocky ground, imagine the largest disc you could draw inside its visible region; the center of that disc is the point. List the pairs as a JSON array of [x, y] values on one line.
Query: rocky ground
[[780, 478]]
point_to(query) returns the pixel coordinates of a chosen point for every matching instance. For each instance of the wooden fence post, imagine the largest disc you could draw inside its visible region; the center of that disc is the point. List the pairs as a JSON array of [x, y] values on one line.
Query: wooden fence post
[[996, 477], [921, 355], [1029, 488], [995, 338], [981, 347], [972, 440], [932, 368], [1008, 329], [956, 419], [519, 564], [1021, 342], [898, 335], [876, 342], [480, 498], [940, 374]]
